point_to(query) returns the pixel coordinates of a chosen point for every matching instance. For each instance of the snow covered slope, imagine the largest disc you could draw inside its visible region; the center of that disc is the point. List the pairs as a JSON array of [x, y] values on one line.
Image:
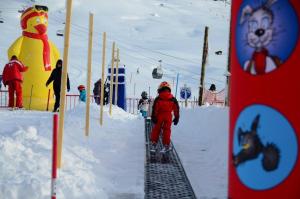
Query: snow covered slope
[[109, 163], [145, 31], [201, 140]]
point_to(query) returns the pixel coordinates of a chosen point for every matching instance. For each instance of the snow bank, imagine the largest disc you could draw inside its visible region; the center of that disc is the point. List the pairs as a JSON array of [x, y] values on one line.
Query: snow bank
[[201, 140], [107, 164]]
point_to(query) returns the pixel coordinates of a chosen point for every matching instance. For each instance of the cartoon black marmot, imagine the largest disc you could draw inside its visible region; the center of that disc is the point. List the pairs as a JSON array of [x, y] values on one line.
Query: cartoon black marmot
[[253, 147]]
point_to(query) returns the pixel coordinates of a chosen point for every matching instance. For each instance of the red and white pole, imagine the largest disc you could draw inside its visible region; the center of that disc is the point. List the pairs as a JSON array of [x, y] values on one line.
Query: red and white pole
[[54, 157]]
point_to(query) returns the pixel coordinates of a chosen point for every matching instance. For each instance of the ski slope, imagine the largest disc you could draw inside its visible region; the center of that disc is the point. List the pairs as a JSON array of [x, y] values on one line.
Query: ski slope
[[145, 31], [110, 162]]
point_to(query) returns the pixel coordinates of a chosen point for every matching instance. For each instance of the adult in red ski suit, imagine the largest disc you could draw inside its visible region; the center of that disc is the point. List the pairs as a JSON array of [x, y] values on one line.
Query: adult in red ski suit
[[163, 106], [13, 78]]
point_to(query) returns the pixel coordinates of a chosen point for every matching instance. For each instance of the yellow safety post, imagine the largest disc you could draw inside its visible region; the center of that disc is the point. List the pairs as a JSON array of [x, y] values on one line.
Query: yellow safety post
[[89, 70], [102, 79], [64, 83], [117, 77], [111, 77]]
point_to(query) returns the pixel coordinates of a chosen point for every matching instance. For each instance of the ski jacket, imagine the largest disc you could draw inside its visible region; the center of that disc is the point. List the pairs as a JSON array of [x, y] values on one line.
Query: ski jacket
[[56, 78], [82, 96], [144, 104], [164, 104], [12, 71]]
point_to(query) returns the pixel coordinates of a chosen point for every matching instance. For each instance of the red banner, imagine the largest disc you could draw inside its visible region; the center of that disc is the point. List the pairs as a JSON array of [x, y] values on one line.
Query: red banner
[[264, 100]]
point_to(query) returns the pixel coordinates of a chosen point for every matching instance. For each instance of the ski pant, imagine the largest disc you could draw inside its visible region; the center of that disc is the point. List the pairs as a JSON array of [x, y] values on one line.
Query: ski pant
[[164, 122], [57, 99], [15, 86]]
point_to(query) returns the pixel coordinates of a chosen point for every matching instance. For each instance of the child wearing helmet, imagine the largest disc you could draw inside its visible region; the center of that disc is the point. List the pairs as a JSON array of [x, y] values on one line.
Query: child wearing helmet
[[164, 104], [82, 93], [143, 105]]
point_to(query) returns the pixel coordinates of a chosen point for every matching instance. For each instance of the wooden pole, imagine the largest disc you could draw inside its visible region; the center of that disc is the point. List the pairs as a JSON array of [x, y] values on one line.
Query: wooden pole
[[204, 56], [48, 100], [89, 71], [117, 77], [111, 77], [102, 79], [64, 82], [227, 74]]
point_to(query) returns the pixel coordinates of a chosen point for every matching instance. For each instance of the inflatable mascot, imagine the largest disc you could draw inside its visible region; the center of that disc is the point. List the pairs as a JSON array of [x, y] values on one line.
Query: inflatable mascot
[[38, 53]]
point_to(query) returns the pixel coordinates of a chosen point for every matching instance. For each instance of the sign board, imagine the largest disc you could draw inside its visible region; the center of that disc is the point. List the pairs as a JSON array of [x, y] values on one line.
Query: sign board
[[185, 93], [264, 99]]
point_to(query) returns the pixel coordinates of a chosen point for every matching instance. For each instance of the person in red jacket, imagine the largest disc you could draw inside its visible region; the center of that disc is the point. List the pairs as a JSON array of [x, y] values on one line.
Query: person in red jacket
[[163, 106], [13, 78]]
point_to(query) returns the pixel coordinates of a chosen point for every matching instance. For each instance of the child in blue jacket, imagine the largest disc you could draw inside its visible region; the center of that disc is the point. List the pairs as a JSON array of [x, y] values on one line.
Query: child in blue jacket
[[82, 93]]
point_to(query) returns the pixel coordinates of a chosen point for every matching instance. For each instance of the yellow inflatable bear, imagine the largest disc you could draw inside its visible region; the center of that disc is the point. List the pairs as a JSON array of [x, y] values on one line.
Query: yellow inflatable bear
[[39, 54]]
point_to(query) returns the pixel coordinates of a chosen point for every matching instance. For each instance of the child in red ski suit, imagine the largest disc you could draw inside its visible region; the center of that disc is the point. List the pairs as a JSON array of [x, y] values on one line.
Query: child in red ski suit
[[13, 78], [163, 106]]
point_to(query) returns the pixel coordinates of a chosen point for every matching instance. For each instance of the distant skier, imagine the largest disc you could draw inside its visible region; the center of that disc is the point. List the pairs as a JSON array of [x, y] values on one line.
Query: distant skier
[[143, 105], [56, 78], [163, 106], [82, 93], [12, 77]]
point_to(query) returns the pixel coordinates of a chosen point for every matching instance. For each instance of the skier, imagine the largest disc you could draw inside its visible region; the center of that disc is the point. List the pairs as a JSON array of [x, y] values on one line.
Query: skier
[[82, 93], [12, 77], [143, 105], [56, 78], [163, 106]]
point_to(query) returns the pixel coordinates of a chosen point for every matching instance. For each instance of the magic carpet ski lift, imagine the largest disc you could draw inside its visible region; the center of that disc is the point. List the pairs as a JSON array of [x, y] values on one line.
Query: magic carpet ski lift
[[157, 73]]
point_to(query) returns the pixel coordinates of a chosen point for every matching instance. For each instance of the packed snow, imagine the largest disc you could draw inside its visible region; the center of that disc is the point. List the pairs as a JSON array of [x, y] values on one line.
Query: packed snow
[[110, 162]]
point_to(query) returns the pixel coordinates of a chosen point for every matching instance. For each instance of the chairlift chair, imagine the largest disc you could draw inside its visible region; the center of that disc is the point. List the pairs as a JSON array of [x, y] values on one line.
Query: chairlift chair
[[60, 33], [157, 73], [1, 20]]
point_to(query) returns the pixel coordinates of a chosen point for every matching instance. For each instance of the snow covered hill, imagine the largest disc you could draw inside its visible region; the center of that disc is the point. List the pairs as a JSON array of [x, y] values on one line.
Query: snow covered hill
[[110, 162], [145, 31]]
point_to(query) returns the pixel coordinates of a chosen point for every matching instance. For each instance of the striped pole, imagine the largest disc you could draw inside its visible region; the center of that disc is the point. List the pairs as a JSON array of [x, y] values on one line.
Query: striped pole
[[54, 157]]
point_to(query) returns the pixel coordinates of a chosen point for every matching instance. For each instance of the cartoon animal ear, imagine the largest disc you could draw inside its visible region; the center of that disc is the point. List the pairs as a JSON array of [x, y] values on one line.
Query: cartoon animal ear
[[255, 123], [247, 11], [269, 3]]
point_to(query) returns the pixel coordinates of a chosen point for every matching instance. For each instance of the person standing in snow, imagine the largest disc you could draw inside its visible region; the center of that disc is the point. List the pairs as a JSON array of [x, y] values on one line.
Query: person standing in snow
[[56, 78], [143, 105], [82, 93], [211, 95], [164, 104], [12, 77]]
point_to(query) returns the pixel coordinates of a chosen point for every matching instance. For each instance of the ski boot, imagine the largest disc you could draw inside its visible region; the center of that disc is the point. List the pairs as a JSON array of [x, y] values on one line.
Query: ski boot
[[165, 154], [153, 148]]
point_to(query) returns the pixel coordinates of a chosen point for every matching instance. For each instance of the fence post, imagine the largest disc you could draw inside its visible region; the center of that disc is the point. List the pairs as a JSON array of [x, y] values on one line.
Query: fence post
[[89, 70], [64, 81], [54, 157], [117, 77], [204, 56], [111, 77], [102, 78]]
